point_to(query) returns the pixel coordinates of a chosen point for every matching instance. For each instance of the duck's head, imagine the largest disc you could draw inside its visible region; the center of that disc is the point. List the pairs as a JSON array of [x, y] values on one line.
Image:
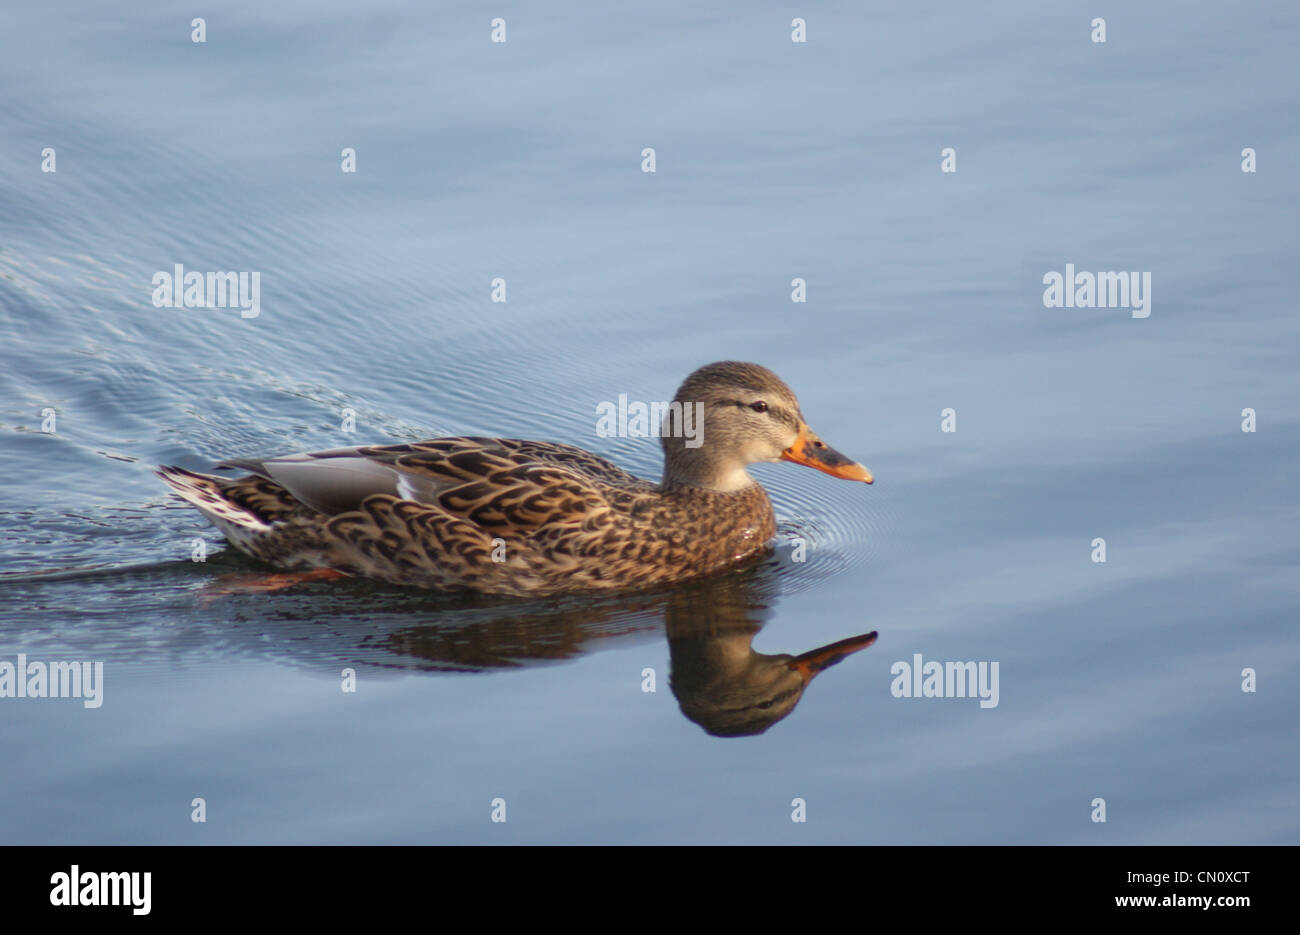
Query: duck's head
[[748, 415]]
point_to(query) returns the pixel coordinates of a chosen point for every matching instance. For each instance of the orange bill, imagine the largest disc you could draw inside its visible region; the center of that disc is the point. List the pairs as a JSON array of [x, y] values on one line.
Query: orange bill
[[818, 660], [811, 451]]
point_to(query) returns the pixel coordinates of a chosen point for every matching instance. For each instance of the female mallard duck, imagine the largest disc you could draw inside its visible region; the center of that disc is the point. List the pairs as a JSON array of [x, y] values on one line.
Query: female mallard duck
[[501, 516]]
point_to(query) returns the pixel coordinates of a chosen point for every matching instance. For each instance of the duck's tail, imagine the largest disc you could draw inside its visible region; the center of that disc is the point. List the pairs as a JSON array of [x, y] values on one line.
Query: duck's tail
[[208, 494]]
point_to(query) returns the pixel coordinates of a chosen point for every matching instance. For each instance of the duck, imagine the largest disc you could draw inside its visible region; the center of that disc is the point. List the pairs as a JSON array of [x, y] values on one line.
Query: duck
[[515, 518]]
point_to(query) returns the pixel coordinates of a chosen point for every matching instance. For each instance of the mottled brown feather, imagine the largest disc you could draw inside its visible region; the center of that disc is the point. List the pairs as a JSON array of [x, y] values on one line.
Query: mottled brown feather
[[514, 517], [562, 518]]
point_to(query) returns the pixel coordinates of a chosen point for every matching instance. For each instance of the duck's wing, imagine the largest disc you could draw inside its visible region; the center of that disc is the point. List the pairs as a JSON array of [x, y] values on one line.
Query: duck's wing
[[471, 458], [336, 481], [474, 478], [438, 513]]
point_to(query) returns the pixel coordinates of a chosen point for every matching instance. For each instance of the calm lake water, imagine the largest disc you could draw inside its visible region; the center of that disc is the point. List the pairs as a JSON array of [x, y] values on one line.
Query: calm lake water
[[774, 160]]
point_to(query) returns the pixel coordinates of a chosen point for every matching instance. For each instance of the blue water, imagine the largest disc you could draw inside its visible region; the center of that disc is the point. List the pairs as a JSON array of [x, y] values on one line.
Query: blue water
[[774, 160]]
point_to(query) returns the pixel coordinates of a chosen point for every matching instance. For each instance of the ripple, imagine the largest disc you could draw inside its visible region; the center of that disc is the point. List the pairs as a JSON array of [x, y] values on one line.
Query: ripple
[[840, 524]]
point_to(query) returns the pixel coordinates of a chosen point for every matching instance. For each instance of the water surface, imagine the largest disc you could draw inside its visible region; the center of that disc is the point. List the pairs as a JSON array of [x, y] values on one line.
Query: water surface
[[774, 160]]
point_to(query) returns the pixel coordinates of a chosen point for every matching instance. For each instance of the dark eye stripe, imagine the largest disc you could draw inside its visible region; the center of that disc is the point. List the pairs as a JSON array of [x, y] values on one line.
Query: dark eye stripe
[[776, 412]]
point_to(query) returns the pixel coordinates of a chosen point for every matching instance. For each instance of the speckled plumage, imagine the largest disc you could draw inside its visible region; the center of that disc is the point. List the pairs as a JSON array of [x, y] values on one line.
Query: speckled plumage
[[510, 517]]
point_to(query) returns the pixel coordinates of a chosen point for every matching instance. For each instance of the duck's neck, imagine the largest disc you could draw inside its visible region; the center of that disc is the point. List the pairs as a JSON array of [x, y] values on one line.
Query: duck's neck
[[698, 468], [736, 482]]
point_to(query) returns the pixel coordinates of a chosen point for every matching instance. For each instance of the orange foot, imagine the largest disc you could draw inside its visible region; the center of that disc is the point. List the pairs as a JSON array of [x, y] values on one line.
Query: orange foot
[[257, 583]]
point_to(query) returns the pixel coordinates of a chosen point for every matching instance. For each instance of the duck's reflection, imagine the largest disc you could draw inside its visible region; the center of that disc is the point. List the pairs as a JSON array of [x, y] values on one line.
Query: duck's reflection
[[718, 679]]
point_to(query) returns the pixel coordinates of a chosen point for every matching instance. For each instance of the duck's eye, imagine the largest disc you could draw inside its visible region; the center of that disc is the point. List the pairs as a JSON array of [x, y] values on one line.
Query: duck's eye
[[759, 406]]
